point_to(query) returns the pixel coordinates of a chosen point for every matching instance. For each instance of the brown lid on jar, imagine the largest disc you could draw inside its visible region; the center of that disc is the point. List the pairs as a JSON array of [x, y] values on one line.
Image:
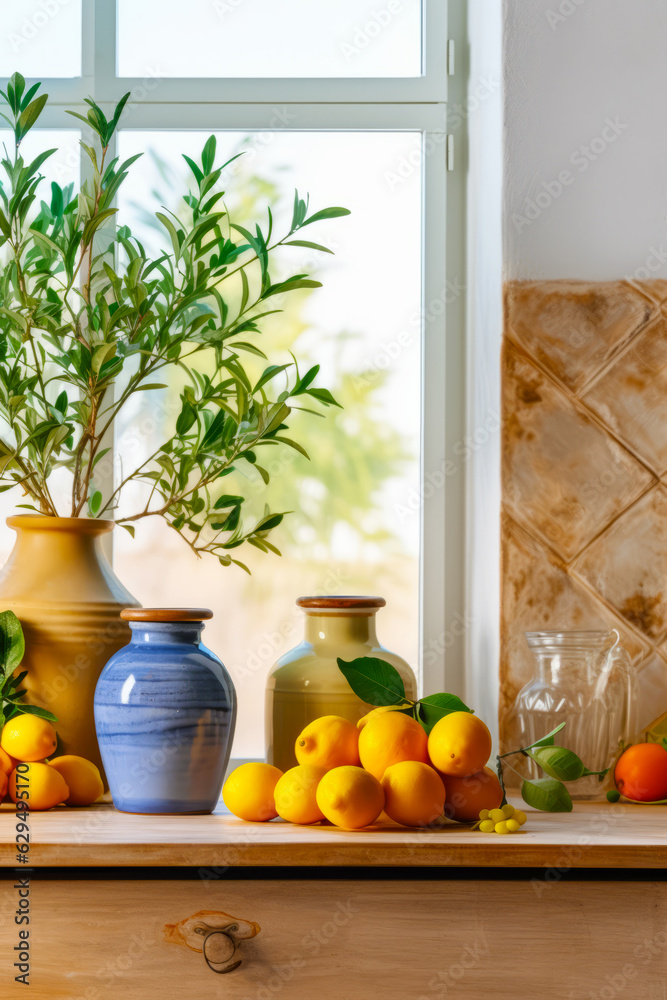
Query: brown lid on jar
[[337, 602], [166, 614]]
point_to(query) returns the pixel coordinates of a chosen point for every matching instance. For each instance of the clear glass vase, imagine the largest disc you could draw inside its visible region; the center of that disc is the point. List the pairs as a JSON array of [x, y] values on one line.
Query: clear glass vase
[[586, 680]]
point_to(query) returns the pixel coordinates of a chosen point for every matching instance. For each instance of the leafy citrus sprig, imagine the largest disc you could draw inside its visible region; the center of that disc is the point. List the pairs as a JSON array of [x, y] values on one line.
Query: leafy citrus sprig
[[559, 763], [12, 649], [379, 683]]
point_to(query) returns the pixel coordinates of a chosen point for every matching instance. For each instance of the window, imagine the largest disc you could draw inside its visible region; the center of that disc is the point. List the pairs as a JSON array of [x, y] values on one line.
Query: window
[[334, 38], [359, 121]]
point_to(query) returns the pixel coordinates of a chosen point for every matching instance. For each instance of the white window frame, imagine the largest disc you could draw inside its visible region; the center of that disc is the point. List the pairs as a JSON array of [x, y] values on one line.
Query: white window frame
[[415, 104]]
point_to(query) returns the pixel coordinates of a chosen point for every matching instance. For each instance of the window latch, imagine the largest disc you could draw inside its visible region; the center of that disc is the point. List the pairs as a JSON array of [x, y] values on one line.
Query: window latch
[[451, 57]]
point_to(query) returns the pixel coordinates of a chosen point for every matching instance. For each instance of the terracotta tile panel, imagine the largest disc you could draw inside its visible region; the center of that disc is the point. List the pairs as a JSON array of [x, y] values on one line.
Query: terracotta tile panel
[[539, 593], [574, 328], [627, 564], [563, 476], [631, 398], [652, 689], [654, 289]]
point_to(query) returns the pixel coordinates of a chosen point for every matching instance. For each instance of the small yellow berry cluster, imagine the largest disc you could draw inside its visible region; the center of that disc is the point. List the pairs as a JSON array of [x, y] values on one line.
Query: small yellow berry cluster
[[504, 820]]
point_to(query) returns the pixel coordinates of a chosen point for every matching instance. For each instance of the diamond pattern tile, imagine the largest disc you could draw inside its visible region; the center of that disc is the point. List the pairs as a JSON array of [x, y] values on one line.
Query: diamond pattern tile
[[574, 328], [585, 473], [654, 289], [544, 595], [652, 685], [563, 476], [627, 564], [631, 398]]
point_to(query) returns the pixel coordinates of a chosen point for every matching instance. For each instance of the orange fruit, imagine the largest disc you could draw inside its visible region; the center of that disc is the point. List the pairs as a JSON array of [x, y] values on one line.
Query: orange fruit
[[7, 763], [82, 777], [641, 772], [45, 787], [4, 784], [28, 738], [459, 744], [468, 795], [248, 792], [389, 738], [330, 741], [414, 793], [350, 797]]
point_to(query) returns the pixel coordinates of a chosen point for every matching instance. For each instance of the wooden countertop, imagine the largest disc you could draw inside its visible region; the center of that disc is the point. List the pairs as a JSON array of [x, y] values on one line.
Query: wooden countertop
[[594, 835]]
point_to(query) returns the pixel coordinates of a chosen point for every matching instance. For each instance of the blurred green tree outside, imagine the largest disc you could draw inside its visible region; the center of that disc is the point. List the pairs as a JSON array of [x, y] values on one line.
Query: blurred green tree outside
[[352, 452]]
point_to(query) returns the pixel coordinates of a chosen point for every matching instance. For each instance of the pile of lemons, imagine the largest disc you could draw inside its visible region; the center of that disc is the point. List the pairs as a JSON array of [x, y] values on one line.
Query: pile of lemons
[[348, 774], [33, 781]]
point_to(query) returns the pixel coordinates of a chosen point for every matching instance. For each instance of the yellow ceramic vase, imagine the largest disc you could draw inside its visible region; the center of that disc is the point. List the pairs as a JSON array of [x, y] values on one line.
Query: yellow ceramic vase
[[60, 585], [306, 683]]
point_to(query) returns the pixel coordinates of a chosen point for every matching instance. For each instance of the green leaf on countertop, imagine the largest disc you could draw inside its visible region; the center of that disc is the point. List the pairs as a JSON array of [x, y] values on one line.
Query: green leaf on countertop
[[546, 794]]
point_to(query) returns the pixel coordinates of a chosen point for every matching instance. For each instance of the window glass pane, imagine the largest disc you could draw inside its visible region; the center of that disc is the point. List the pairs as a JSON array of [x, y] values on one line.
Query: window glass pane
[[41, 38], [353, 529], [64, 168], [266, 38]]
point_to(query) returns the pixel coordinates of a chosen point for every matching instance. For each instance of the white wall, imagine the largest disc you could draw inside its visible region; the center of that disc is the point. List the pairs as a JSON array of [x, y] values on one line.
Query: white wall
[[572, 67]]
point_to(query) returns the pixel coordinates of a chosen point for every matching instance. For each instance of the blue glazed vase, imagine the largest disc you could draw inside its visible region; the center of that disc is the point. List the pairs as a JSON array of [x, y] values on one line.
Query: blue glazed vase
[[165, 711]]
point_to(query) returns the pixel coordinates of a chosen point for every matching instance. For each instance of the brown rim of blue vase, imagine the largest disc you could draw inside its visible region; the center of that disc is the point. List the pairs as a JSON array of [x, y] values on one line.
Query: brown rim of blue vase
[[166, 614]]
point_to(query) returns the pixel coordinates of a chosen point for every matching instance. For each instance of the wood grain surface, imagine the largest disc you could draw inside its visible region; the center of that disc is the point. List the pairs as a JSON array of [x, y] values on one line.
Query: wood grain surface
[[593, 836], [353, 940]]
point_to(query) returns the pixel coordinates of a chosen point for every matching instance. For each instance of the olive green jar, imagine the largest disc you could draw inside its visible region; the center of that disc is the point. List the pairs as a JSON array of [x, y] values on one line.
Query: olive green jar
[[306, 683]]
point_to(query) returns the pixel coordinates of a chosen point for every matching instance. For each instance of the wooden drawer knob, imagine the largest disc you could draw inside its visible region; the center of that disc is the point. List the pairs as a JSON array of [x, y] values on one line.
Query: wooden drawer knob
[[216, 935]]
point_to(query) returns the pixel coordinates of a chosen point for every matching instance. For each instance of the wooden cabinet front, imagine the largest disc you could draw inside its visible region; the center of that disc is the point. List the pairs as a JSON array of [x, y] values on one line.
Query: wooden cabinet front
[[358, 940]]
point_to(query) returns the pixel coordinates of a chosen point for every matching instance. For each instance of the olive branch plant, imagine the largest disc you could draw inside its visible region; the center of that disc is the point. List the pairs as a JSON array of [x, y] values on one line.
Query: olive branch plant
[[88, 320]]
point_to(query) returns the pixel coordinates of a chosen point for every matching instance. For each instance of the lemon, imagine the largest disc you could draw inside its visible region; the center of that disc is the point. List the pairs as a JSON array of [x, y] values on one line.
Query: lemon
[[373, 714], [248, 792], [414, 793], [39, 786], [28, 738], [82, 777], [329, 741], [390, 738], [350, 797], [295, 794], [459, 744]]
